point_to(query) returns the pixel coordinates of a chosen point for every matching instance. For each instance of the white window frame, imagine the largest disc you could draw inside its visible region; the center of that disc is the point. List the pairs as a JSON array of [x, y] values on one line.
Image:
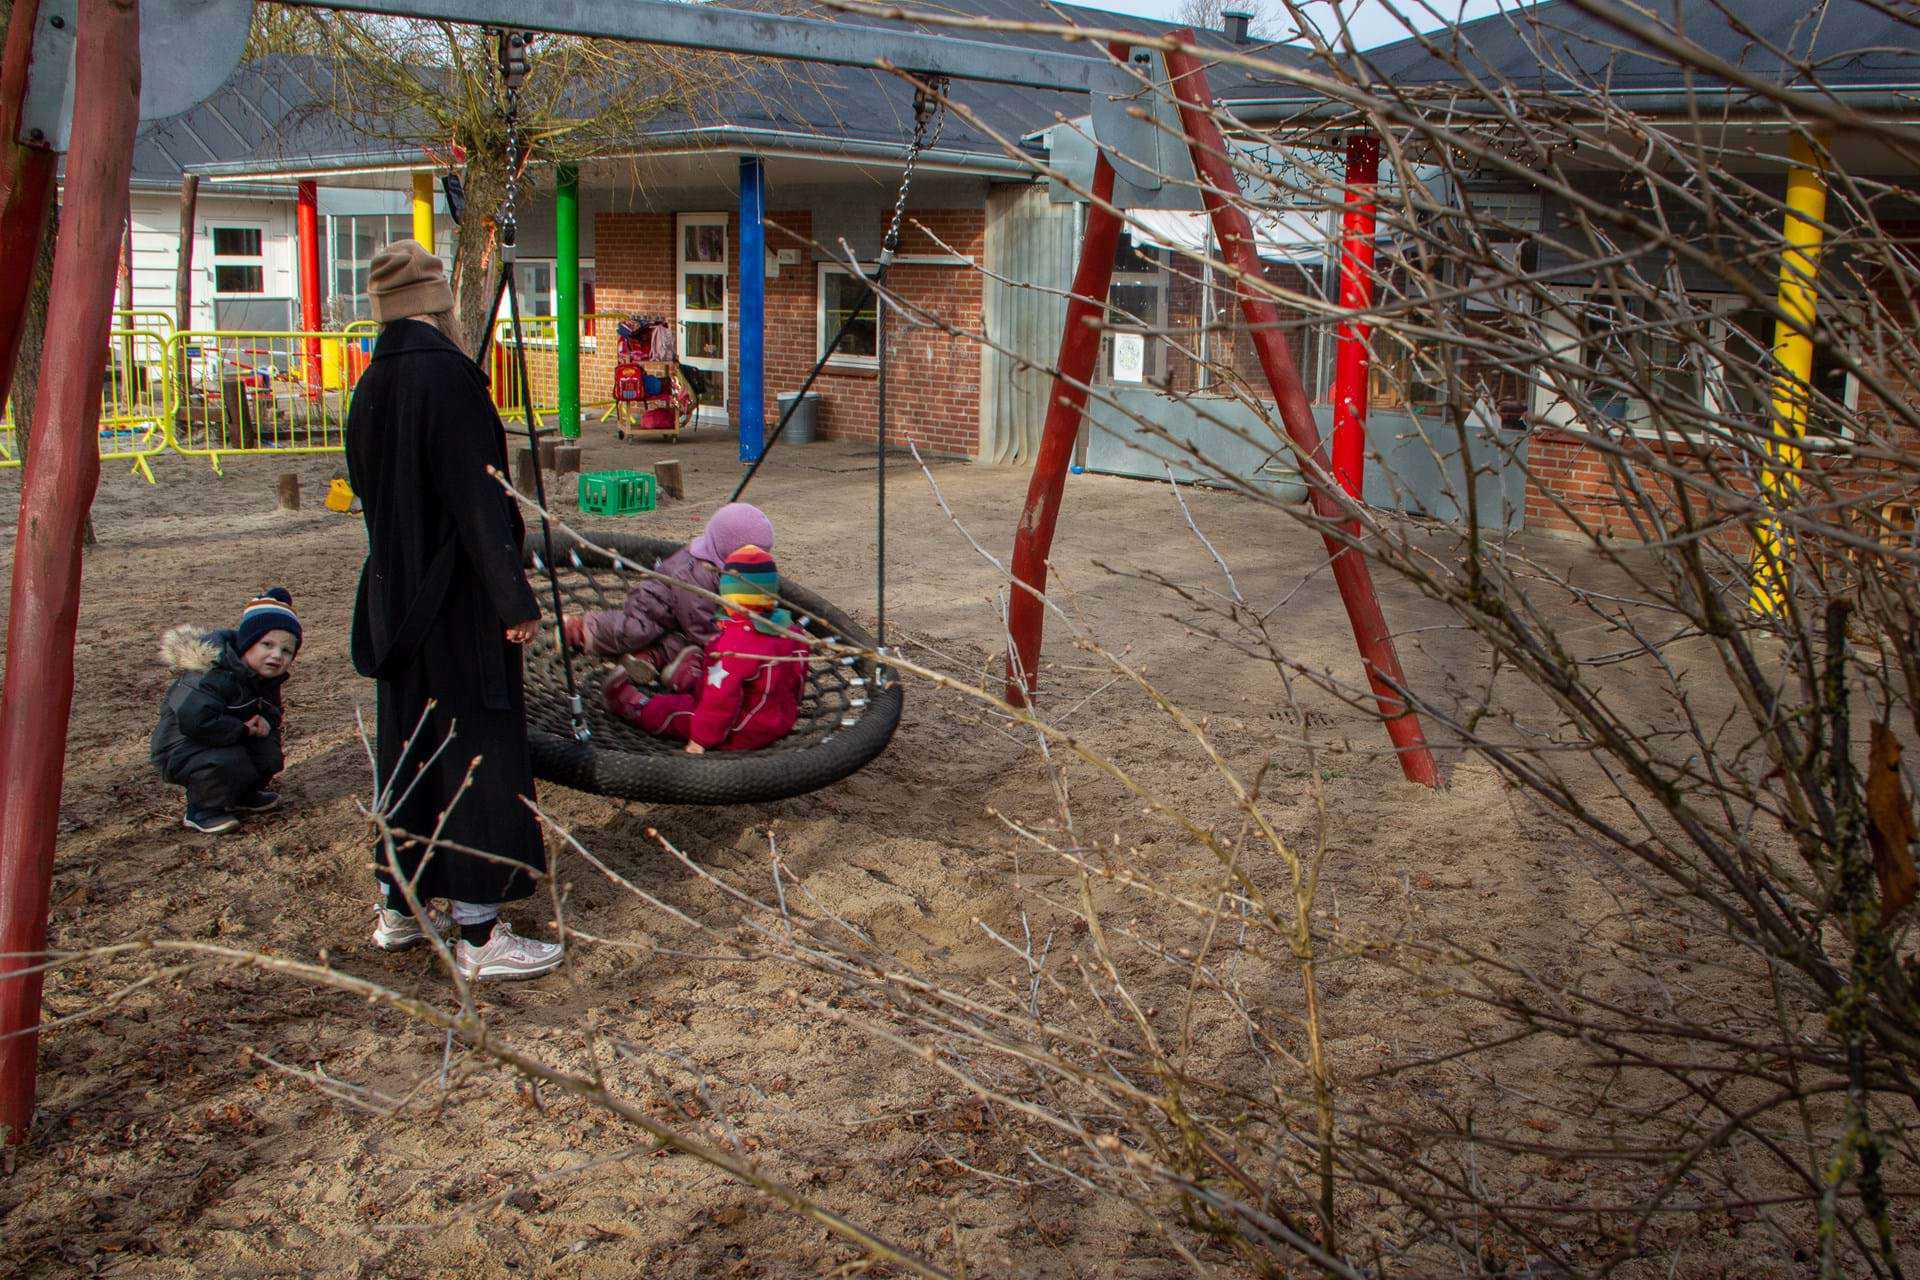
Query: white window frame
[[587, 342], [1713, 383], [683, 315], [822, 333], [1154, 370], [216, 260]]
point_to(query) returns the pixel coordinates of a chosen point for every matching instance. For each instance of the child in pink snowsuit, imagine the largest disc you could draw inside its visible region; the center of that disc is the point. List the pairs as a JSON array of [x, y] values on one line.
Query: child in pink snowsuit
[[755, 671], [660, 620]]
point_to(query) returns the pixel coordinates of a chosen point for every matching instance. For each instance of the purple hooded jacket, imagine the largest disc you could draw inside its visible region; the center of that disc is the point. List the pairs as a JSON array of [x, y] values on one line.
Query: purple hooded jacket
[[659, 613]]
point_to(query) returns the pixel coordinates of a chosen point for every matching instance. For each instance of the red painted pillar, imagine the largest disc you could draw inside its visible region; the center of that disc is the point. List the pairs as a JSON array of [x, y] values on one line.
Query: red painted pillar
[[1351, 354], [307, 228], [26, 176], [1350, 573], [56, 494], [1079, 348]]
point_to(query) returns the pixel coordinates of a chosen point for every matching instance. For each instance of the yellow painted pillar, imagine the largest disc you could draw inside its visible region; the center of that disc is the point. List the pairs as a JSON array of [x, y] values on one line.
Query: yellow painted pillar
[[1793, 379], [423, 209]]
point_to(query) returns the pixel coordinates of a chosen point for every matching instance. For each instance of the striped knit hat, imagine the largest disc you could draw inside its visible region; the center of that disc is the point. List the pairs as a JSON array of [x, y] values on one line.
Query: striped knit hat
[[272, 610], [750, 581]]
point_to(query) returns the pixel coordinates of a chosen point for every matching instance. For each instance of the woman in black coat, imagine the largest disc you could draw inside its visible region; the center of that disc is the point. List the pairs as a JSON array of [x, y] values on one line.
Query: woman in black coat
[[443, 609]]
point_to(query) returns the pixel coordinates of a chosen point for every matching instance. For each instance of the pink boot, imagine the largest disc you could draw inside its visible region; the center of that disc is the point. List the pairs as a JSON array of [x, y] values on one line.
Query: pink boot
[[623, 699]]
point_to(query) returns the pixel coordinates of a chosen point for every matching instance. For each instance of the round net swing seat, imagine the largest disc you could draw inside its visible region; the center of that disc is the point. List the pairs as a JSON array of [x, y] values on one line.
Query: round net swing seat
[[847, 712]]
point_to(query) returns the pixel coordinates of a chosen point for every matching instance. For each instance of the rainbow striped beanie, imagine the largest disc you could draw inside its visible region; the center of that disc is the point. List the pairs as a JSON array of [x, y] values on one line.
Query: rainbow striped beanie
[[750, 581]]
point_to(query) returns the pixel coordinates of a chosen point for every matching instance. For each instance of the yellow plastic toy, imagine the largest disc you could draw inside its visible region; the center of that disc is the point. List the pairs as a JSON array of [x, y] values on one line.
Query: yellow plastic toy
[[339, 496]]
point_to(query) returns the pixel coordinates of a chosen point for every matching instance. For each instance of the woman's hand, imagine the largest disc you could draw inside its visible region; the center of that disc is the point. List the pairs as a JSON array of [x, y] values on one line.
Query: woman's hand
[[695, 749], [573, 627], [259, 727], [521, 632]]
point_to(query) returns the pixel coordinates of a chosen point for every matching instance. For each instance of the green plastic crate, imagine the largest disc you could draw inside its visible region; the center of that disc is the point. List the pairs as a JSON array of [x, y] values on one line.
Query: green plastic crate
[[616, 493]]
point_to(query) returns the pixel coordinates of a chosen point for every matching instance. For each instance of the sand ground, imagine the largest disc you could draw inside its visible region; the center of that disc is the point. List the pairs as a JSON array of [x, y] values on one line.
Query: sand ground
[[166, 1147]]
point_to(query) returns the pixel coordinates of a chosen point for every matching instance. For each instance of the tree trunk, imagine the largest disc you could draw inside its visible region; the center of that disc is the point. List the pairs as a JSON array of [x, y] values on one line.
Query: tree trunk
[[33, 335], [476, 259], [183, 272]]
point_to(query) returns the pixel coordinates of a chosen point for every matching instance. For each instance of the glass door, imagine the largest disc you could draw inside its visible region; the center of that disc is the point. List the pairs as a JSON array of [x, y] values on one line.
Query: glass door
[[700, 260]]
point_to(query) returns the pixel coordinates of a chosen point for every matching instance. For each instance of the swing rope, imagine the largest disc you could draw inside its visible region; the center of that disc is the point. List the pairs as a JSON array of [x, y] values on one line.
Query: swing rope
[[513, 72]]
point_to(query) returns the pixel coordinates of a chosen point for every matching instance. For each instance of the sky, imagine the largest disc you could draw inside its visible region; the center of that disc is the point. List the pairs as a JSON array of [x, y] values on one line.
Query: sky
[[1373, 21]]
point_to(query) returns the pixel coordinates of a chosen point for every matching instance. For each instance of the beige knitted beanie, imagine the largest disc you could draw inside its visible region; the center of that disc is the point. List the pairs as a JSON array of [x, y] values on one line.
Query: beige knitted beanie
[[405, 280]]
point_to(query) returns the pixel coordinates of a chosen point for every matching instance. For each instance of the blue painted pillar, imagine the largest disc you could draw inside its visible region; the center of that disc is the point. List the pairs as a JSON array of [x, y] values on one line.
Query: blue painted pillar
[[753, 308]]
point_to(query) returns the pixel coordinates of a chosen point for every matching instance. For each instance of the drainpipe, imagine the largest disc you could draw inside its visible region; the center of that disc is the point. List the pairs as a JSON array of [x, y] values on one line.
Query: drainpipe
[[566, 285]]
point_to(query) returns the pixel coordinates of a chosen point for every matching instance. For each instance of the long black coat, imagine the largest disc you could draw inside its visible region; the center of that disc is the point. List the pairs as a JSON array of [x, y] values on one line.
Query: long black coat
[[442, 583]]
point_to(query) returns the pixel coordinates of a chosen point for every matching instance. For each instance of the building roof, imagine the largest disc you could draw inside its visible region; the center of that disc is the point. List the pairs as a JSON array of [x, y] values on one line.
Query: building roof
[[270, 117], [1859, 49]]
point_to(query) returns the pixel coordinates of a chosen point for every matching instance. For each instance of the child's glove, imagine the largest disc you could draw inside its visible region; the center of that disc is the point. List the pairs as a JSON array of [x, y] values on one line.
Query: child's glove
[[574, 628]]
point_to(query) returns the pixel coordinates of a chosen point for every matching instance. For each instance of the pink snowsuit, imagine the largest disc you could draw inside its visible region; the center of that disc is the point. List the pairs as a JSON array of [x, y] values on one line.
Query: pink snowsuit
[[749, 699]]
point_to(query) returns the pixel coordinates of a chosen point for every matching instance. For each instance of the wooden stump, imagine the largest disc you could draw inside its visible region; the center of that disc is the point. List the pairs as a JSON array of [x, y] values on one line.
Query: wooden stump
[[523, 471], [289, 492], [666, 475], [566, 459], [236, 406], [548, 449]]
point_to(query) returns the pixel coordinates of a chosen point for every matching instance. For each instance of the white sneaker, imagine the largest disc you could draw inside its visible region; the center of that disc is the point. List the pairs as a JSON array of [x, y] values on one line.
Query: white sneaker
[[396, 930], [507, 955]]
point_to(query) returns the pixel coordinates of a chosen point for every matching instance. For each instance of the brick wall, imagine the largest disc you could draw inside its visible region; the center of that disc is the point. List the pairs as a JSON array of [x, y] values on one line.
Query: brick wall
[[933, 395]]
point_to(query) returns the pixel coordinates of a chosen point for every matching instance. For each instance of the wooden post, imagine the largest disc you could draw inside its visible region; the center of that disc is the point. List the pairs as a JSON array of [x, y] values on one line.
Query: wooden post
[[566, 459], [548, 457], [287, 492], [26, 188], [667, 478], [1234, 232], [1066, 405], [126, 392], [56, 495], [523, 479], [183, 271], [237, 430]]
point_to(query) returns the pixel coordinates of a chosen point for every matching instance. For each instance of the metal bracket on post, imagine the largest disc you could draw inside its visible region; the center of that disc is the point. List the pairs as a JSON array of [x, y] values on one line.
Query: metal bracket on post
[[198, 42], [1138, 127]]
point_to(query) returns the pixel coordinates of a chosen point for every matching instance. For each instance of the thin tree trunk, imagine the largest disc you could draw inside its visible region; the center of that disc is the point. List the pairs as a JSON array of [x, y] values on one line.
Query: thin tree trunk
[[33, 335], [476, 258], [183, 272]]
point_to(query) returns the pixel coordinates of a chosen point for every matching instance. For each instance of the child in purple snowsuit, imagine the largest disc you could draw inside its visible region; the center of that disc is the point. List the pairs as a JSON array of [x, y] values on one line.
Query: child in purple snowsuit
[[663, 629]]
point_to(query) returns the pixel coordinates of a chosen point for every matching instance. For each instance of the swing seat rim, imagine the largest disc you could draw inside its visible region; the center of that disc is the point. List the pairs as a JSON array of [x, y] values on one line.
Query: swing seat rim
[[778, 772]]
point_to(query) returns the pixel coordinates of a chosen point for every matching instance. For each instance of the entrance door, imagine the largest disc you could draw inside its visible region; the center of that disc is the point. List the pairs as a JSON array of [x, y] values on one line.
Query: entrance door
[[700, 260]]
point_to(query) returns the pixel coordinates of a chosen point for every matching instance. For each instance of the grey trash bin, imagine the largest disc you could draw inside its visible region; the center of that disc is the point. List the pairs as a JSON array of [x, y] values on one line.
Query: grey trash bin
[[805, 420]]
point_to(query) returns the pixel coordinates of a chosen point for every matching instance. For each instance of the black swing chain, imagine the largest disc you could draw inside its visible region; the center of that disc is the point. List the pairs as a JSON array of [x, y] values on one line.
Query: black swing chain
[[928, 114], [513, 73]]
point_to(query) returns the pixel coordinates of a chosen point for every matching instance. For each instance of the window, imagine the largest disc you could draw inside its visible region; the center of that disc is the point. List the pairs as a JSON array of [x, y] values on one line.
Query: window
[[239, 260], [1727, 371], [352, 241], [537, 283], [839, 293], [1133, 350]]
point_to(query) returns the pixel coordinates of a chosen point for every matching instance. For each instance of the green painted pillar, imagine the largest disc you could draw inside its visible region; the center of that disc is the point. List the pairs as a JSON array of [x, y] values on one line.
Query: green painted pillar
[[566, 286]]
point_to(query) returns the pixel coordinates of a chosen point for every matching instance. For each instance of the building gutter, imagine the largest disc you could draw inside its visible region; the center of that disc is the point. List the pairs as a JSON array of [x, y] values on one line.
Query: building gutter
[[714, 139], [1902, 101]]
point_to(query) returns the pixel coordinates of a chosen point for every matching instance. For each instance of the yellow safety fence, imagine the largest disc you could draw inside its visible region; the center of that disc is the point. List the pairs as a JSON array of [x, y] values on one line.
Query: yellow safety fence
[[599, 357], [136, 407], [218, 393]]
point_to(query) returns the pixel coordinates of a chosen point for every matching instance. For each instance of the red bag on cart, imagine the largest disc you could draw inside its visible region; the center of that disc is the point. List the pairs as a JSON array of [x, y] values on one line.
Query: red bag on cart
[[629, 383], [657, 420]]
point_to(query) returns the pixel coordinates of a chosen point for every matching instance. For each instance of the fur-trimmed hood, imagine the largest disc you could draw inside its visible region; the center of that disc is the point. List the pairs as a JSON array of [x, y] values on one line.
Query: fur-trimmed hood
[[191, 648]]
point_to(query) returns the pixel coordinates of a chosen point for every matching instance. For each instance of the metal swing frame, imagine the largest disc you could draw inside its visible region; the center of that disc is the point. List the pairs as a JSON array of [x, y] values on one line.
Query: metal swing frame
[[69, 74]]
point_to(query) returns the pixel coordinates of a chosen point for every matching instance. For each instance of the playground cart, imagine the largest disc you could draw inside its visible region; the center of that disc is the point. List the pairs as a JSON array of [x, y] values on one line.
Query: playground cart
[[651, 396]]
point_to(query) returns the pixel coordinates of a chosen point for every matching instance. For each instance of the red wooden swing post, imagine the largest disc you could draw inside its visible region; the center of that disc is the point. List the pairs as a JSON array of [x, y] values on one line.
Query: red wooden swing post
[[1079, 345], [56, 494]]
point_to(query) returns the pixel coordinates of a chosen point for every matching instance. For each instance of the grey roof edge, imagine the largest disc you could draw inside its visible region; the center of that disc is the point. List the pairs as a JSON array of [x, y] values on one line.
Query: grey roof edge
[[1879, 100], [709, 137]]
